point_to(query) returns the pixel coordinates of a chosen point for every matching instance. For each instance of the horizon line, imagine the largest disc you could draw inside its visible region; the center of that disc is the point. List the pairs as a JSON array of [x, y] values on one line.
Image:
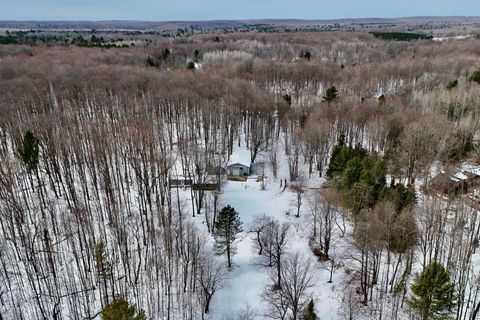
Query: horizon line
[[242, 19]]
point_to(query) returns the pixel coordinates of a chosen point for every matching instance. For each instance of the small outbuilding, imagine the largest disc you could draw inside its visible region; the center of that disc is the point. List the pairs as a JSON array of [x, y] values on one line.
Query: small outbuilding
[[238, 169], [239, 165]]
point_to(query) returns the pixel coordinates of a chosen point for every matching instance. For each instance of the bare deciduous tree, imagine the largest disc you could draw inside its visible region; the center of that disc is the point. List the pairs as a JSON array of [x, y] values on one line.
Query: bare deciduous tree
[[288, 301], [211, 277]]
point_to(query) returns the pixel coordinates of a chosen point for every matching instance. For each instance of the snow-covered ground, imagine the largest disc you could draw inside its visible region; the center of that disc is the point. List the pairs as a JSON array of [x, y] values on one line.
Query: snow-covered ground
[[247, 280], [460, 37]]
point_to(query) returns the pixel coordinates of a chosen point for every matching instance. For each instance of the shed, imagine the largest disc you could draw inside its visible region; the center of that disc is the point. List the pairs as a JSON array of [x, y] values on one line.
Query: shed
[[239, 164], [238, 169]]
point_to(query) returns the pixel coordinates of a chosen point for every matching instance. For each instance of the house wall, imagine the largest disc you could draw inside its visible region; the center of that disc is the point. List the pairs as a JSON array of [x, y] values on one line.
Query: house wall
[[238, 170], [474, 182]]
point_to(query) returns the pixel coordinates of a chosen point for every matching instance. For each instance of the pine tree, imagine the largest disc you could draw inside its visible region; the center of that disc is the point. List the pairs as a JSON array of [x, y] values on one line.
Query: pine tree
[[432, 293], [475, 76], [227, 228], [120, 309], [165, 54], [288, 99], [309, 313], [452, 84], [190, 65], [28, 151], [102, 266], [330, 95], [196, 55], [306, 55]]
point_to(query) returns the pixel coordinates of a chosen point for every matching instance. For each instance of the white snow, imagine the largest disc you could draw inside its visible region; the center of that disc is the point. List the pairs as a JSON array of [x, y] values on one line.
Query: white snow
[[240, 156], [472, 168], [460, 37], [247, 280], [459, 176]]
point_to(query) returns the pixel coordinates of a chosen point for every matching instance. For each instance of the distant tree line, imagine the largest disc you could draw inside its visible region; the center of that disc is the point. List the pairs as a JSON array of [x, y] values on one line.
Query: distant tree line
[[33, 39], [401, 36]]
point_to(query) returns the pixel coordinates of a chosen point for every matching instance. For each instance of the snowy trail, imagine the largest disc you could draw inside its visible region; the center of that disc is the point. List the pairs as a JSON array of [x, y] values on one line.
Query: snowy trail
[[247, 281]]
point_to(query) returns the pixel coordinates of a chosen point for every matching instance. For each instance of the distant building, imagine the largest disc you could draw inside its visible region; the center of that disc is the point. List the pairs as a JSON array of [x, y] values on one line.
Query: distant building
[[462, 180], [238, 169], [239, 165]]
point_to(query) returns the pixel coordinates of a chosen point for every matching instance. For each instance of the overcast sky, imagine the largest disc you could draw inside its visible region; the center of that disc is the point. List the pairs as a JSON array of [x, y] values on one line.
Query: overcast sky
[[162, 10]]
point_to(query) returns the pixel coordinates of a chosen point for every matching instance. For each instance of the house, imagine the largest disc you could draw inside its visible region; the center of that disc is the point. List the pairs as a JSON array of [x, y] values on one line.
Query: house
[[462, 180], [238, 169], [239, 165]]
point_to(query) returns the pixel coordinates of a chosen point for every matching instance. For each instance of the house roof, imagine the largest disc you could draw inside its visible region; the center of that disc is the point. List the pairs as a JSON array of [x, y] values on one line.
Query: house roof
[[459, 176], [466, 172], [237, 164], [471, 168], [242, 157]]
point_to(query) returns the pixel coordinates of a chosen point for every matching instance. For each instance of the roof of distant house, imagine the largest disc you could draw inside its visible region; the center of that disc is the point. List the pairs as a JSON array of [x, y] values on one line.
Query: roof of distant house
[[242, 157], [466, 171]]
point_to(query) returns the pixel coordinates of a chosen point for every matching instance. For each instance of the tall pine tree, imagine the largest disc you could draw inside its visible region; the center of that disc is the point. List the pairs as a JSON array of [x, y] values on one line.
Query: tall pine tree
[[28, 151], [330, 95], [433, 294], [227, 228]]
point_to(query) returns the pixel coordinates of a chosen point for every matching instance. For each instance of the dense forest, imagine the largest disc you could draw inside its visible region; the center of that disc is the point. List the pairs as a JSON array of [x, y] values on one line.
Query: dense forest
[[356, 128]]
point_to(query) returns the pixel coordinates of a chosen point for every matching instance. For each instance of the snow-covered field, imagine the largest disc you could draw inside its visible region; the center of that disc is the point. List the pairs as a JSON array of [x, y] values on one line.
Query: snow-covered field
[[247, 280]]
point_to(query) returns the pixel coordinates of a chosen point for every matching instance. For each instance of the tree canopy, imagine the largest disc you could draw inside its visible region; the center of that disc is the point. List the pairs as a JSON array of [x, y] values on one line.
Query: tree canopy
[[28, 151], [330, 95], [227, 228], [120, 309], [433, 294], [361, 177]]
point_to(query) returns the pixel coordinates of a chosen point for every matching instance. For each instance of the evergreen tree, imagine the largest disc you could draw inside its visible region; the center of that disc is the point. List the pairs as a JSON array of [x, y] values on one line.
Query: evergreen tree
[[433, 293], [288, 99], [227, 228], [475, 76], [152, 62], [309, 313], [452, 84], [381, 99], [120, 309], [306, 55], [336, 150], [28, 151], [102, 266], [190, 65], [165, 54], [330, 95], [196, 55]]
